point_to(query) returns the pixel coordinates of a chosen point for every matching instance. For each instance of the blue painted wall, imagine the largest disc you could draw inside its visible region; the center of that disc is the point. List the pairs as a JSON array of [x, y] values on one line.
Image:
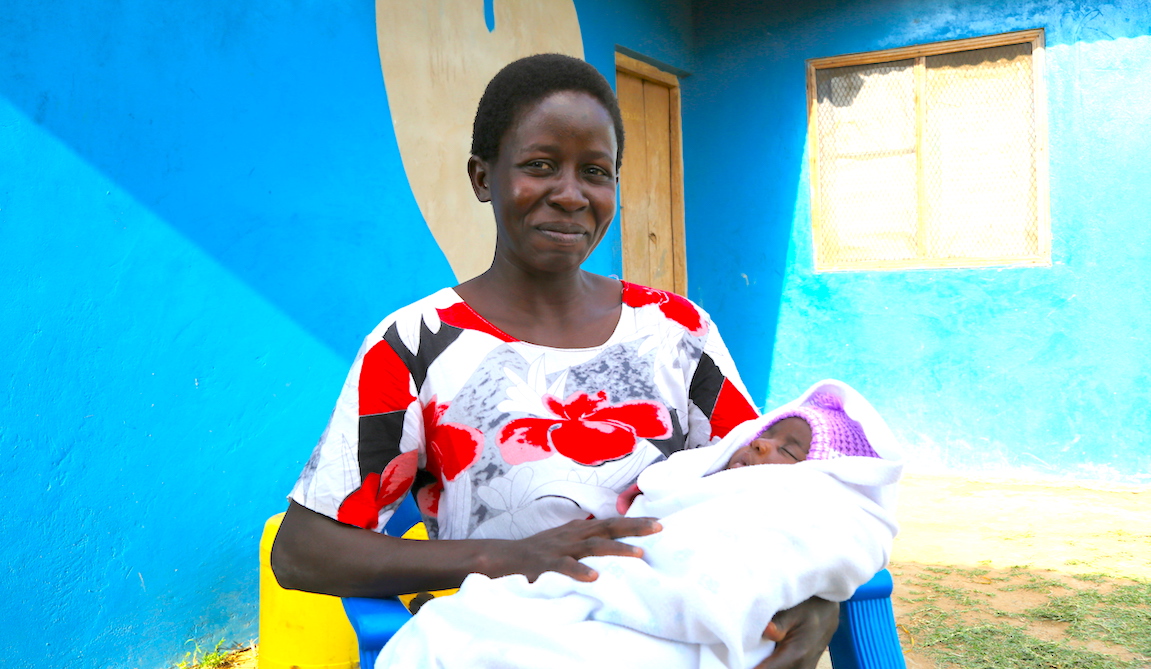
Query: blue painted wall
[[1006, 371], [202, 212]]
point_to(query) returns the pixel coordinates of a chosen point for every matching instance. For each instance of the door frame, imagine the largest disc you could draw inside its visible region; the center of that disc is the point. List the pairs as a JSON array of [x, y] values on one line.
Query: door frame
[[642, 70]]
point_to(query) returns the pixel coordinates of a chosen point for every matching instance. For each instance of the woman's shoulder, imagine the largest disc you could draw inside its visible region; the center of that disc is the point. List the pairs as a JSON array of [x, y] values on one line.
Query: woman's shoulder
[[410, 318], [668, 306]]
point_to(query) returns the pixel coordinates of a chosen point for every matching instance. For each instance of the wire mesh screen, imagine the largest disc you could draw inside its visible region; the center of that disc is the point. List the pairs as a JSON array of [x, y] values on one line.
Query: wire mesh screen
[[979, 154], [927, 161], [867, 163]]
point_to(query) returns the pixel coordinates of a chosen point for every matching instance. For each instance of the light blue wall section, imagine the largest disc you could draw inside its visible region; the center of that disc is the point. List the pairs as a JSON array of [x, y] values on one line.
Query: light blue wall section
[[1006, 371], [202, 212]]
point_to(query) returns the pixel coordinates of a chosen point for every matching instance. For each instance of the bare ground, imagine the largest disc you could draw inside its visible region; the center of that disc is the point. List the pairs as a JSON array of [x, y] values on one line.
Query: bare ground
[[1054, 530]]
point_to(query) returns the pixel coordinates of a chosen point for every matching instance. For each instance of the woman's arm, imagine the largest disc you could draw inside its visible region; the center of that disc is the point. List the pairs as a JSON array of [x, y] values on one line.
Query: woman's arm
[[315, 553]]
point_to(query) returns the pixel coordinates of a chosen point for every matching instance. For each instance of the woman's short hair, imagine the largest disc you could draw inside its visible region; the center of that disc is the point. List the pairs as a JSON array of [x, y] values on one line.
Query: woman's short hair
[[526, 81]]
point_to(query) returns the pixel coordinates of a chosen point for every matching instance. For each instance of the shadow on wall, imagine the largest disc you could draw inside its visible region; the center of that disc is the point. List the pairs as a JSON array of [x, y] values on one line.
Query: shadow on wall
[[261, 133]]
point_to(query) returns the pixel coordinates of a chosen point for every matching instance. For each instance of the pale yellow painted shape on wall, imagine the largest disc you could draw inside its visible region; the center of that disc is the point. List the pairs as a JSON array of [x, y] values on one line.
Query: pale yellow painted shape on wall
[[437, 56]]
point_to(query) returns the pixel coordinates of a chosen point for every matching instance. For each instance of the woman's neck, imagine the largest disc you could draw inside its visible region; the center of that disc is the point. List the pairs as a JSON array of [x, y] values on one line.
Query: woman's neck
[[564, 310]]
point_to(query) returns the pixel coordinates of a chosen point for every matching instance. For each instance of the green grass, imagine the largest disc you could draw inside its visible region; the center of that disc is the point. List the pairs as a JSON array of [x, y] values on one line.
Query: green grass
[[1035, 583], [971, 573], [996, 645], [1121, 617], [980, 636], [217, 658], [1090, 578], [961, 596], [1066, 609]]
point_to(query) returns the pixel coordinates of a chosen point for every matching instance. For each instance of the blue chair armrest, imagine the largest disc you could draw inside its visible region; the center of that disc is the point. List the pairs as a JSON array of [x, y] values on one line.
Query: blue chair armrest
[[879, 587], [375, 621], [867, 637]]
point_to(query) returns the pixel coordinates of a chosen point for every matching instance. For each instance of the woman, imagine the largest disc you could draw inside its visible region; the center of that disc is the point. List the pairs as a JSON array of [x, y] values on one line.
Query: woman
[[519, 404]]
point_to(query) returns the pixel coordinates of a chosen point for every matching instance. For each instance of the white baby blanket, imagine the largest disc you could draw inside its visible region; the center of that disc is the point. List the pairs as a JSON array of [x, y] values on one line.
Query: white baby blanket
[[736, 547]]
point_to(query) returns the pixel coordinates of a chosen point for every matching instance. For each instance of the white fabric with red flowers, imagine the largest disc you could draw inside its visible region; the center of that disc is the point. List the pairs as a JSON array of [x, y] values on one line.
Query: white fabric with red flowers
[[736, 547], [500, 438]]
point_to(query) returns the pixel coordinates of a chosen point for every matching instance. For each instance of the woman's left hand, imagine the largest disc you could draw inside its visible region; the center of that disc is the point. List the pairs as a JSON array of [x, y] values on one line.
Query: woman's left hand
[[801, 634]]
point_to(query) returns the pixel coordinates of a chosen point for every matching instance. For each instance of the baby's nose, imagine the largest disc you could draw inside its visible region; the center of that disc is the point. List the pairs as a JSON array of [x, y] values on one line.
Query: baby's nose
[[762, 446]]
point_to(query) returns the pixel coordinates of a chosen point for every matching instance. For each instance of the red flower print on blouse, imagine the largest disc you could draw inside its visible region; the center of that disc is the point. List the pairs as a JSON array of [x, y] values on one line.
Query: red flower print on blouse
[[673, 306], [362, 507], [585, 428], [451, 447], [428, 499]]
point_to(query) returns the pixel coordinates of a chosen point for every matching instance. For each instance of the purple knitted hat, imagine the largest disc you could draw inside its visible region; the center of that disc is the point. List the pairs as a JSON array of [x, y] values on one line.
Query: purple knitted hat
[[833, 433]]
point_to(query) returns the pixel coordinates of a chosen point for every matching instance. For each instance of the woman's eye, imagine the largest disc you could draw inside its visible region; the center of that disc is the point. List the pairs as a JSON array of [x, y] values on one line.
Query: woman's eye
[[598, 171]]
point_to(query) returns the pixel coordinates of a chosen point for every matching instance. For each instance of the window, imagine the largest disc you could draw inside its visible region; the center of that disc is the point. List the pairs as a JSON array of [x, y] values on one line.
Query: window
[[930, 156]]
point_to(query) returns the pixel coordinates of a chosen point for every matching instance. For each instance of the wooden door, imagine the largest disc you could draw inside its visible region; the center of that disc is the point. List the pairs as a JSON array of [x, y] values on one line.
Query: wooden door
[[651, 179]]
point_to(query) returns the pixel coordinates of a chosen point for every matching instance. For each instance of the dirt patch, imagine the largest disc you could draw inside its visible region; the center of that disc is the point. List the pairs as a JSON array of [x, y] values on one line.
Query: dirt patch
[[1063, 527], [245, 659], [1022, 564], [1045, 605]]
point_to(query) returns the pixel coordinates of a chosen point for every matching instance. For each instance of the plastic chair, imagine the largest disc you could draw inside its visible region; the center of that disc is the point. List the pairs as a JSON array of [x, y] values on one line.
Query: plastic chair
[[375, 621], [866, 637], [299, 629]]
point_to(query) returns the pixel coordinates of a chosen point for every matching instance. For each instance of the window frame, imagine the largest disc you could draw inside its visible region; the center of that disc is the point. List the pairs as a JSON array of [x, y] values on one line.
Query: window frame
[[919, 53]]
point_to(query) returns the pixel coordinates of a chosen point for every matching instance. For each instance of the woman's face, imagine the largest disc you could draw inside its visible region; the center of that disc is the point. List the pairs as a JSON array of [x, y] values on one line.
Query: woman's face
[[553, 186]]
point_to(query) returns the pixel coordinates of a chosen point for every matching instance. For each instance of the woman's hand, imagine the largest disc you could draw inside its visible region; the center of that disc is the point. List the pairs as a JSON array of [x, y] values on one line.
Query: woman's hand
[[560, 549], [315, 553], [801, 634]]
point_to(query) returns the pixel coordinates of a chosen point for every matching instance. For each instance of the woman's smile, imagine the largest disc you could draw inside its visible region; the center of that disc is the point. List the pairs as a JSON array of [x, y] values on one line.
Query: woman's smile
[[562, 234]]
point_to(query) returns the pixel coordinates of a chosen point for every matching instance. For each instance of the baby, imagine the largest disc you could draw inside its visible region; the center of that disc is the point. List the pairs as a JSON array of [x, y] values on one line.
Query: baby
[[712, 579], [816, 430]]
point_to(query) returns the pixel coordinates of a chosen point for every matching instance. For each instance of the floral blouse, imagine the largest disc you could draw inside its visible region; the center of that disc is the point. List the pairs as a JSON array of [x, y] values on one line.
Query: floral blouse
[[501, 438]]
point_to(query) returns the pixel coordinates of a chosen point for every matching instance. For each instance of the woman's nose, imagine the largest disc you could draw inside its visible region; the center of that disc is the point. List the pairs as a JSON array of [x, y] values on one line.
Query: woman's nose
[[568, 193]]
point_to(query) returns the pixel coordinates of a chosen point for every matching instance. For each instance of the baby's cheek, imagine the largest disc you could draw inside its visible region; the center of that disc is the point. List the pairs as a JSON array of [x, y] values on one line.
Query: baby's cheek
[[735, 456]]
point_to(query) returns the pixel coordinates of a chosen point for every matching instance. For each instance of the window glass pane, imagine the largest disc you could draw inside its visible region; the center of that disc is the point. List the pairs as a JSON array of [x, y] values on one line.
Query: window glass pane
[[979, 150], [867, 164]]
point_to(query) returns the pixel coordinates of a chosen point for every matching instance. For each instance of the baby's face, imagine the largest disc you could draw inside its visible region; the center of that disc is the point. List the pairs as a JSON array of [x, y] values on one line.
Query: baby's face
[[786, 442]]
